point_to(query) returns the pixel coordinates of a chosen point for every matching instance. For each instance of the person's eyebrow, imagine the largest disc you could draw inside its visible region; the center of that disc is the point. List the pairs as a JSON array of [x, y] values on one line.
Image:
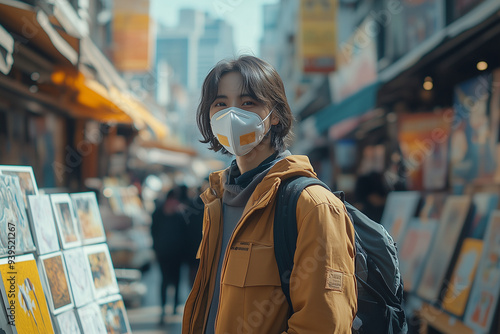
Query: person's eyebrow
[[225, 97]]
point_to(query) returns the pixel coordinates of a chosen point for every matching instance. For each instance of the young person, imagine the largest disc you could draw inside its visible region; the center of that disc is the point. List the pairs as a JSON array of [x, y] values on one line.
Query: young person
[[244, 112]]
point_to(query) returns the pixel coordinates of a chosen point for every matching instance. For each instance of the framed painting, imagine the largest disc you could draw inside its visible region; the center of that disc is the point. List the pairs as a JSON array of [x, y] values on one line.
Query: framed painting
[[460, 283], [55, 277], [91, 321], [485, 291], [114, 315], [31, 314], [43, 224], [414, 250], [484, 204], [101, 270], [67, 323], [79, 276], [26, 179], [451, 224], [15, 234], [65, 220], [400, 207], [89, 217]]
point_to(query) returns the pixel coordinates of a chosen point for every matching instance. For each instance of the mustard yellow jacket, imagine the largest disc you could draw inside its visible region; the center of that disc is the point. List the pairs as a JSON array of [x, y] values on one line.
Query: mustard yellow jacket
[[322, 284]]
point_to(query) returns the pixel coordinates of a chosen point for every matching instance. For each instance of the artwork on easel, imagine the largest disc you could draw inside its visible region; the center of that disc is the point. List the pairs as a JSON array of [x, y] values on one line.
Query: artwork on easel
[[26, 179], [67, 323], [89, 217], [101, 269], [400, 207], [55, 276], [15, 234], [65, 220], [79, 276], [91, 321], [460, 283], [115, 315], [43, 224], [32, 313], [485, 291], [451, 224], [414, 250]]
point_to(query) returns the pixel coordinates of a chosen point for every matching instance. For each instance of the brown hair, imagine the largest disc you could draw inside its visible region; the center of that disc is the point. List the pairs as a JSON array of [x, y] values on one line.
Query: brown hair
[[263, 83]]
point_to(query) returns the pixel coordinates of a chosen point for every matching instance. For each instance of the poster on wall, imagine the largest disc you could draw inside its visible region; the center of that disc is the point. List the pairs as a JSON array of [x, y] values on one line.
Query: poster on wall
[[43, 224], [65, 220], [114, 315], [15, 234], [451, 224], [475, 134], [101, 270], [55, 278], [26, 179], [486, 288], [89, 217], [400, 207], [31, 313]]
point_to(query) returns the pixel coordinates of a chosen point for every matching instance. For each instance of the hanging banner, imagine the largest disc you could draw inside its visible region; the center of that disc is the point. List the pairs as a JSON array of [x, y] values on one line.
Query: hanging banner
[[132, 36], [7, 44], [318, 35]]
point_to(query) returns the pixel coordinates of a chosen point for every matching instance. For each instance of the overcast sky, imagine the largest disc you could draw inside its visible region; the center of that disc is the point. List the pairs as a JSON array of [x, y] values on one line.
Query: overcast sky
[[244, 15]]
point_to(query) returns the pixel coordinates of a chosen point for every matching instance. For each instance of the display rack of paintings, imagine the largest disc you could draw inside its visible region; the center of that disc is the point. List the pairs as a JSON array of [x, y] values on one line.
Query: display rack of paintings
[[89, 218], [56, 282], [485, 291], [114, 315], [451, 224], [400, 207], [15, 234], [43, 225], [91, 321], [26, 179], [66, 323], [101, 269], [31, 311], [79, 276], [65, 220], [458, 289], [5, 327]]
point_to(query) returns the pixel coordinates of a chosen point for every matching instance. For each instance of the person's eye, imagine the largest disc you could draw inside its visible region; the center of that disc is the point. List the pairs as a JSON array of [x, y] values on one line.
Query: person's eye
[[248, 103], [220, 104]]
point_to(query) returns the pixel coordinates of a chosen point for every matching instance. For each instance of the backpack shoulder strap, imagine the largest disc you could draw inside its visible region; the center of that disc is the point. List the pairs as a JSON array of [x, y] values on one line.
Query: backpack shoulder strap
[[285, 226]]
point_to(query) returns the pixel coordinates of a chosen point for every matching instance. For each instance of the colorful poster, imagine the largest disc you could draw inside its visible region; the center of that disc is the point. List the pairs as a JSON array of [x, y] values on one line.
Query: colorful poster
[[451, 224], [486, 288], [115, 316], [67, 323], [474, 136], [414, 250], [400, 207], [15, 234], [79, 276], [66, 220], [89, 217], [55, 278], [101, 269], [460, 284], [26, 179], [24, 301], [484, 205], [43, 225], [91, 320]]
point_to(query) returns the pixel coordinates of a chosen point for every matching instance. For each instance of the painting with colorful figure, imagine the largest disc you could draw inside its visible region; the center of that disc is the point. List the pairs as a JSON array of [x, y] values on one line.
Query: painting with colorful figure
[[65, 220], [115, 316], [89, 217], [55, 278], [101, 269], [26, 179]]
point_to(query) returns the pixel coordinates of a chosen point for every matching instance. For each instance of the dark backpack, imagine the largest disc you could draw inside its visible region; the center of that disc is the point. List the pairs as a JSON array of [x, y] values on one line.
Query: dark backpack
[[380, 286]]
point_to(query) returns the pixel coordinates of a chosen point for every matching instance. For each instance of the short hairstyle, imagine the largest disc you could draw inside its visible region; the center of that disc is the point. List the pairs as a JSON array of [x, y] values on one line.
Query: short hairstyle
[[263, 83]]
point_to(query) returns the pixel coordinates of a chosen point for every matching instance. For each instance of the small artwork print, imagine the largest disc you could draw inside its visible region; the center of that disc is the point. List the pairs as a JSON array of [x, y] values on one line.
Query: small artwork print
[[458, 290], [91, 319], [451, 224], [66, 221], [115, 315], [101, 269], [31, 312], [43, 224], [486, 288], [57, 284], [67, 323], [89, 217], [484, 204], [79, 276], [26, 179], [15, 234], [414, 250], [401, 206]]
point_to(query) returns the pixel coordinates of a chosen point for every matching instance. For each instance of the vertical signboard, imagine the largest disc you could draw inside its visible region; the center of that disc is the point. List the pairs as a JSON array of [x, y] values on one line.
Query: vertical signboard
[[318, 35], [132, 35]]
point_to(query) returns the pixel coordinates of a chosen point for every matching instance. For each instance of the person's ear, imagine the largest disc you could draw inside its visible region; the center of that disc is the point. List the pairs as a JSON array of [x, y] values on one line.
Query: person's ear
[[274, 119]]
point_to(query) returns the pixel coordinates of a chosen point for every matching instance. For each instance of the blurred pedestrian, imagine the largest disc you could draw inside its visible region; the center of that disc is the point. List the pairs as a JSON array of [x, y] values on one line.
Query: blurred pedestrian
[[244, 112], [168, 231]]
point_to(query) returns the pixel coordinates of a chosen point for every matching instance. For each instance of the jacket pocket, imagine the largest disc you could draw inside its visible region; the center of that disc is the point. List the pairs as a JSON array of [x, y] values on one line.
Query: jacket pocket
[[251, 265]]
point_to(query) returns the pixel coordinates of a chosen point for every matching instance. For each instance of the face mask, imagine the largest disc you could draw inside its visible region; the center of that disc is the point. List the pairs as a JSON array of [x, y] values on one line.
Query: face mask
[[238, 130]]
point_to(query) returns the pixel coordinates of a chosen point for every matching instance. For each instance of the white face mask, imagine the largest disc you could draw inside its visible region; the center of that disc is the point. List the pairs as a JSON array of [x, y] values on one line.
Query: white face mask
[[238, 130]]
